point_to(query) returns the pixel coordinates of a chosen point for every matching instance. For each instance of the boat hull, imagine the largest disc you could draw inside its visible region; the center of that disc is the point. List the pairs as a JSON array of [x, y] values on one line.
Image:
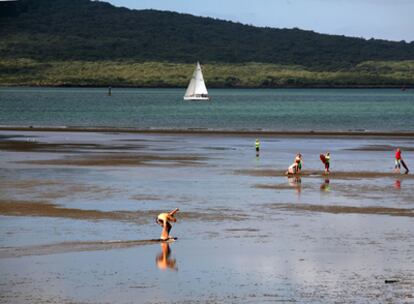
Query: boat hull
[[197, 98]]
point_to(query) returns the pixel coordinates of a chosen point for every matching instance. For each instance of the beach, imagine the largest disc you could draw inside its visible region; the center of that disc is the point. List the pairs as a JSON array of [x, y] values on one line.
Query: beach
[[177, 152], [78, 216]]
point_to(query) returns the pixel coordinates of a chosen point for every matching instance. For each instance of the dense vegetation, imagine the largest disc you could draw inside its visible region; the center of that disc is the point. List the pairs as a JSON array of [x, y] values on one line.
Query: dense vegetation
[[159, 74], [83, 42], [93, 30]]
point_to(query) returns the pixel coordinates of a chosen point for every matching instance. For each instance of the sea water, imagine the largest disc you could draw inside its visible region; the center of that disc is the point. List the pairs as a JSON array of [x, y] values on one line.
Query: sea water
[[229, 109]]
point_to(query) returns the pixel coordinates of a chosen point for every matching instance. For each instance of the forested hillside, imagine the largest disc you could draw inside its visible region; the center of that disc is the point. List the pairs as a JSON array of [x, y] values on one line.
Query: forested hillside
[[90, 30]]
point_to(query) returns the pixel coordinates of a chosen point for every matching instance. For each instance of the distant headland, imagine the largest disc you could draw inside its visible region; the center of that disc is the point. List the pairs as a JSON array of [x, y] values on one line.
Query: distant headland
[[91, 43]]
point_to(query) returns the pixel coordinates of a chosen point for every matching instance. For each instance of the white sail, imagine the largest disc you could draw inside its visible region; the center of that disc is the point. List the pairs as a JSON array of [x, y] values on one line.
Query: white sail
[[196, 89]]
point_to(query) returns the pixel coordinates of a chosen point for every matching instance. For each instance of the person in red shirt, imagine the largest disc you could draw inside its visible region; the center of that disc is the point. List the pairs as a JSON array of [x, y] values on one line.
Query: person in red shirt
[[399, 161]]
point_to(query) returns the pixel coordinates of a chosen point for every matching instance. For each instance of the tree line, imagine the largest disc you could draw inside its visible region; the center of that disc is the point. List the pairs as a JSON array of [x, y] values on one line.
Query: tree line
[[59, 30]]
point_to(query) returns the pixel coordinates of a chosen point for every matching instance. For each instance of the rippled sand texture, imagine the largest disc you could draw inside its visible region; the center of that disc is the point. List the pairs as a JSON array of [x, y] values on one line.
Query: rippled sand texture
[[78, 215]]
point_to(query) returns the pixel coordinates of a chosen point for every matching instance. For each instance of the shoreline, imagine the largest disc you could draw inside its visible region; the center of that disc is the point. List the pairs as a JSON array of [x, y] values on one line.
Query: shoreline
[[204, 131], [401, 86]]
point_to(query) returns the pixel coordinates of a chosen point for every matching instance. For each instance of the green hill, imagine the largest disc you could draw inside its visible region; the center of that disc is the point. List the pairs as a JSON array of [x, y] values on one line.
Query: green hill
[[92, 30], [52, 37]]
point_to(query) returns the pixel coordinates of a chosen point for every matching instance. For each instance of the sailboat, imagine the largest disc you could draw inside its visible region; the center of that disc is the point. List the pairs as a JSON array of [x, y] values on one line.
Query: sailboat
[[196, 89]]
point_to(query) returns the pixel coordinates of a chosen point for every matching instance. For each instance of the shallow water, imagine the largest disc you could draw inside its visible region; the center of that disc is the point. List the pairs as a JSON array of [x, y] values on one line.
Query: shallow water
[[242, 237], [234, 109]]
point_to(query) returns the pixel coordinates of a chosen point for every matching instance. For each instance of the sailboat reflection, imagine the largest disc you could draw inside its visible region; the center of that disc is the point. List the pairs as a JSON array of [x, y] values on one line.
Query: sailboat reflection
[[163, 259]]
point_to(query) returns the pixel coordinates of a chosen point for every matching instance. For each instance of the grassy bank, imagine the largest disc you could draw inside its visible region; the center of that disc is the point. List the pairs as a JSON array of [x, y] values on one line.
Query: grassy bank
[[28, 72]]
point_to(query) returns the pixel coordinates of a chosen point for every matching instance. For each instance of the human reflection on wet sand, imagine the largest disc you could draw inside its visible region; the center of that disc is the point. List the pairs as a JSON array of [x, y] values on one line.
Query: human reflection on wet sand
[[397, 184], [326, 187], [295, 182], [163, 259]]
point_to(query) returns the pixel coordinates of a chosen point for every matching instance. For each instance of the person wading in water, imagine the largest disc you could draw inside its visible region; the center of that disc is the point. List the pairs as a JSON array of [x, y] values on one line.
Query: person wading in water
[[257, 145]]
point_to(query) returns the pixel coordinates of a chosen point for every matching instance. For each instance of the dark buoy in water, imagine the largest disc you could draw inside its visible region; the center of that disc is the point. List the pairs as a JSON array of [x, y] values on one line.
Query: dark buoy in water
[[109, 91]]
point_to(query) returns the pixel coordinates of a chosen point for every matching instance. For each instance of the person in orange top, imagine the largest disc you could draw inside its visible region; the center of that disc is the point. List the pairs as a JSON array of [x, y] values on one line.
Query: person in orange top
[[164, 219]]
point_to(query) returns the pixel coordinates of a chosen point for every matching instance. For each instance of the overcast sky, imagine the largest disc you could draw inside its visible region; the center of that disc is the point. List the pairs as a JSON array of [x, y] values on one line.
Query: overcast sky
[[382, 19]]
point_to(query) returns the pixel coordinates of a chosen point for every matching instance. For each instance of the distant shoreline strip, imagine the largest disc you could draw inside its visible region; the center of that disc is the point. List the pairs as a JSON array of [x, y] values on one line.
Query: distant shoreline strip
[[206, 131]]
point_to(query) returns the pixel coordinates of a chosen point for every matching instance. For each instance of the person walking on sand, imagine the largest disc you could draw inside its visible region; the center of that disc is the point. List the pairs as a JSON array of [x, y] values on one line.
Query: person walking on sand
[[399, 161], [164, 219]]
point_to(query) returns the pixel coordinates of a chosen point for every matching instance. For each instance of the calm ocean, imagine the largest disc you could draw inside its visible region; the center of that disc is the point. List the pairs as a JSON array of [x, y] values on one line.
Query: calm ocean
[[231, 109]]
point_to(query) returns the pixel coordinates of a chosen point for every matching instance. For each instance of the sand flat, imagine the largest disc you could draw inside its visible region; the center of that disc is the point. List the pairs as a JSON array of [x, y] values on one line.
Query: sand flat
[[77, 217]]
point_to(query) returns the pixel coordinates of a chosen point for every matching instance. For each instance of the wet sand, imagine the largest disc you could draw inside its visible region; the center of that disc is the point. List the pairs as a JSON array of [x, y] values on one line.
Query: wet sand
[[45, 209], [38, 208], [321, 174], [72, 247], [31, 145], [335, 209], [121, 160], [101, 159], [78, 215], [381, 148]]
